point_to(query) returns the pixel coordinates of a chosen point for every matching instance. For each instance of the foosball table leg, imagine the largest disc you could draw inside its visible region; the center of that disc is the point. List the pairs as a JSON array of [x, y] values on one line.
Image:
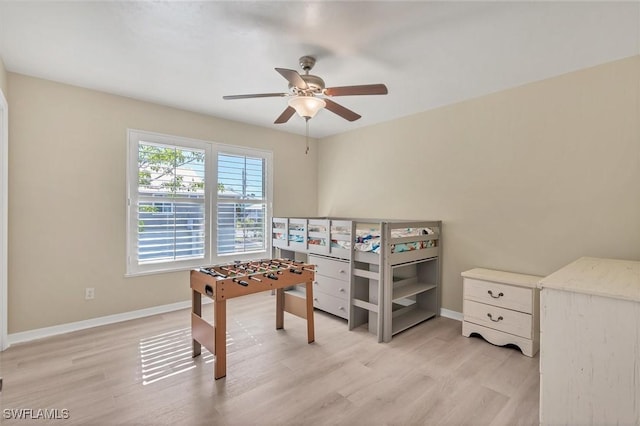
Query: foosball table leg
[[280, 309], [196, 309], [220, 339], [310, 324]]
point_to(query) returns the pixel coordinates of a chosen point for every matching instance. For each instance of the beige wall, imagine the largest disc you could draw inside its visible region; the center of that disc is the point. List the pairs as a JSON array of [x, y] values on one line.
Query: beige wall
[[525, 180], [67, 198]]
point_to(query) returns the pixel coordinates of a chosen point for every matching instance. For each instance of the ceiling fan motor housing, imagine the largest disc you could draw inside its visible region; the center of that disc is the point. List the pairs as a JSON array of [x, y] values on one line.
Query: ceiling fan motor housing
[[315, 83]]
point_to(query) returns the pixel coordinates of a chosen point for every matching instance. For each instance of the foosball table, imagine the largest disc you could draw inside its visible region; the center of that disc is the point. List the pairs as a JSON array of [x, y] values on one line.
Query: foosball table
[[224, 282]]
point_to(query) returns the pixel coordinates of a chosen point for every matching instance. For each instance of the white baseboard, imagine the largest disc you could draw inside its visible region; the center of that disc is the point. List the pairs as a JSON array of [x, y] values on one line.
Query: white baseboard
[[451, 314], [39, 333]]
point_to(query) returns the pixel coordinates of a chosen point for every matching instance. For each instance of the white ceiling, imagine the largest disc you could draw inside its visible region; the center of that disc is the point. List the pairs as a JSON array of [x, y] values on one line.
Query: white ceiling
[[188, 54]]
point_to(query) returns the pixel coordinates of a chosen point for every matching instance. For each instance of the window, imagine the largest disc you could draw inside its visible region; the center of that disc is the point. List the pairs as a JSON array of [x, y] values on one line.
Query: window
[[194, 203]]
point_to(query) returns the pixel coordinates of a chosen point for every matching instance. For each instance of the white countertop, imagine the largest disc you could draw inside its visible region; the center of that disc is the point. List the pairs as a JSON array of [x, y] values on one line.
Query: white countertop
[[512, 278], [615, 278]]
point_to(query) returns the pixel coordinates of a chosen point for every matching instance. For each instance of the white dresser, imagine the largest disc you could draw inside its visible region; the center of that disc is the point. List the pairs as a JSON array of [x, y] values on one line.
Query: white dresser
[[331, 285], [590, 343], [502, 307]]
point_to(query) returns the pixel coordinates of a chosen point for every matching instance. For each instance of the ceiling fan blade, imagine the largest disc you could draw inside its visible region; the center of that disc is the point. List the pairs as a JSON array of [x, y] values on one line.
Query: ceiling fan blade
[[285, 116], [293, 77], [257, 95], [366, 89], [343, 112]]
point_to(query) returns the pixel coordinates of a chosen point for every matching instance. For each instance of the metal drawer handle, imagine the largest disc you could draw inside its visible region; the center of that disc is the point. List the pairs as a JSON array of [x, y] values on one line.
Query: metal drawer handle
[[342, 271], [315, 282], [495, 320], [495, 297], [341, 290], [315, 299], [341, 308]]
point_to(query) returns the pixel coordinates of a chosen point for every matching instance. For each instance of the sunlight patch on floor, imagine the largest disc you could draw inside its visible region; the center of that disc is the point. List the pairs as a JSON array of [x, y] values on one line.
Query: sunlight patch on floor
[[168, 354]]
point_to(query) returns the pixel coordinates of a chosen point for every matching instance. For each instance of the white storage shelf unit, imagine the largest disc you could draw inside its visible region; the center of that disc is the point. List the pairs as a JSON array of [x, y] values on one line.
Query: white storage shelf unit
[[407, 263], [312, 238]]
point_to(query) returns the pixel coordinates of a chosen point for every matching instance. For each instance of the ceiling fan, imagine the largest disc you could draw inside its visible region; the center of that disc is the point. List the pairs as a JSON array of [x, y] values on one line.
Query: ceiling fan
[[305, 91]]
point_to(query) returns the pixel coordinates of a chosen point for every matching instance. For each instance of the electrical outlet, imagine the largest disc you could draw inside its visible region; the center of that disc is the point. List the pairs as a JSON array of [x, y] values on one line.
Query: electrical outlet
[[89, 293]]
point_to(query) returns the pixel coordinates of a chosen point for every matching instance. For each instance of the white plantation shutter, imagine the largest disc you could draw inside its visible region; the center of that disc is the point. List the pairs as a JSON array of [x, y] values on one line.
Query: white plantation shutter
[[171, 195], [193, 203], [241, 204]]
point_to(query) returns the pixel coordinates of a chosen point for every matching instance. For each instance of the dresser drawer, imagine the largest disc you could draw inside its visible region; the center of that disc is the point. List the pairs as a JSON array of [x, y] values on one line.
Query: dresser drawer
[[497, 318], [501, 295], [331, 304], [331, 286], [331, 267]]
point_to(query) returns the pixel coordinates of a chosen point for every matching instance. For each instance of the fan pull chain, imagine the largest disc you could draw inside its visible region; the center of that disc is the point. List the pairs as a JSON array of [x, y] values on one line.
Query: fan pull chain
[[306, 119]]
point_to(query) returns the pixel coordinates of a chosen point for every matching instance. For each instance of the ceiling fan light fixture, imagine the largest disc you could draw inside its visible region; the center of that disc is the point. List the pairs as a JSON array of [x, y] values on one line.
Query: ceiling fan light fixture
[[307, 106]]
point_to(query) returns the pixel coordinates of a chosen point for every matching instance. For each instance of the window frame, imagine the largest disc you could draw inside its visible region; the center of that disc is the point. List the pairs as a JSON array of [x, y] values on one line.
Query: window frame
[[212, 149]]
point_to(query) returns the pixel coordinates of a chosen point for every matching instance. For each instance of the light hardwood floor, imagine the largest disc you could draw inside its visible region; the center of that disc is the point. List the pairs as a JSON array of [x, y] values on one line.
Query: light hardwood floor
[[141, 372]]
